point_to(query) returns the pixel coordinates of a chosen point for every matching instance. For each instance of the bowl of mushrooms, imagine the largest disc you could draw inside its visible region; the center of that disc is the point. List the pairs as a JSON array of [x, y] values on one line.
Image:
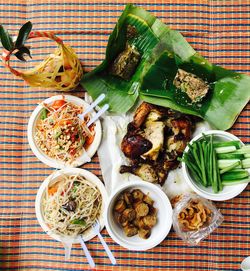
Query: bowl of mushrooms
[[138, 215]]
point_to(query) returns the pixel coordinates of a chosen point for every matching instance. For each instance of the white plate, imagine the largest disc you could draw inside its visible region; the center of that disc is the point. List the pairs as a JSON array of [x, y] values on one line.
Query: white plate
[[45, 158], [88, 234], [228, 192], [159, 231]]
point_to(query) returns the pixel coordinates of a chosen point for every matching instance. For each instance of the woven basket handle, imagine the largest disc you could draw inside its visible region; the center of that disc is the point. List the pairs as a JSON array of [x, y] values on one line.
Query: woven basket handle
[[34, 34]]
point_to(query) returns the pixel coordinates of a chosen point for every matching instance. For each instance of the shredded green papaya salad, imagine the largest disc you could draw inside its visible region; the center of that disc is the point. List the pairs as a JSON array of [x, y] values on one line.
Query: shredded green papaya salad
[[60, 133]]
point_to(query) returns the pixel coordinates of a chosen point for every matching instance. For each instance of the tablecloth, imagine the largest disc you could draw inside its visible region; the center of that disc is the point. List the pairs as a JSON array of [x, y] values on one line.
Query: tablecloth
[[219, 30]]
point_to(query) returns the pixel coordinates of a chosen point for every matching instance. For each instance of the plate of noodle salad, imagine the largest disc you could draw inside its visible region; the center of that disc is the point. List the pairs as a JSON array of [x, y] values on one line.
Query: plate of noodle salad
[[68, 202], [58, 137]]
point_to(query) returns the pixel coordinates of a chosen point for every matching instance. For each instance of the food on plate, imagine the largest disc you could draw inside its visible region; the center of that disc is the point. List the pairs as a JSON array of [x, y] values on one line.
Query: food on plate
[[155, 138], [216, 164], [61, 134], [71, 205], [61, 70], [193, 86], [194, 216], [152, 62], [135, 212]]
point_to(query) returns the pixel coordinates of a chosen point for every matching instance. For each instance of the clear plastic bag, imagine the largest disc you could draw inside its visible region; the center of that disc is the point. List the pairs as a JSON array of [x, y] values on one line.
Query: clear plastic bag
[[194, 218]]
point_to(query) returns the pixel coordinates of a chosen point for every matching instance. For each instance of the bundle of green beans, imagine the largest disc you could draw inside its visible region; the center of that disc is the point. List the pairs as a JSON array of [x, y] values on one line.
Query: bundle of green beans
[[217, 164]]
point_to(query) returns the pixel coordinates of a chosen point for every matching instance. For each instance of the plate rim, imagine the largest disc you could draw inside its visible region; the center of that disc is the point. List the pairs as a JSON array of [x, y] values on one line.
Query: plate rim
[[152, 187], [51, 162], [90, 177], [215, 197]]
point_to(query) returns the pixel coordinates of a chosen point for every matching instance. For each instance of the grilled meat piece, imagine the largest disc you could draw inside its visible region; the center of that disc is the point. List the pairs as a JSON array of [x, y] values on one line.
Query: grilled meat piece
[[154, 133], [141, 113], [135, 145], [144, 171], [176, 145], [168, 132], [183, 126]]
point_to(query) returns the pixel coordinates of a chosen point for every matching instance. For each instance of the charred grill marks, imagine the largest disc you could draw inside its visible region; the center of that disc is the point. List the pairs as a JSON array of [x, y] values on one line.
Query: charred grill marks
[[155, 138]]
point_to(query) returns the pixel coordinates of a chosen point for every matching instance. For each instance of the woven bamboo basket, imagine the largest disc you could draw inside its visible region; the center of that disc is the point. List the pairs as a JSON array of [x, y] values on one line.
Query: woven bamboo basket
[[61, 70]]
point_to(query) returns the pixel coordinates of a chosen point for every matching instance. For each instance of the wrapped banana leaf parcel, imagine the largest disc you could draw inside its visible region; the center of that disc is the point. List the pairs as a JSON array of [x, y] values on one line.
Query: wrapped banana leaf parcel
[[146, 59]]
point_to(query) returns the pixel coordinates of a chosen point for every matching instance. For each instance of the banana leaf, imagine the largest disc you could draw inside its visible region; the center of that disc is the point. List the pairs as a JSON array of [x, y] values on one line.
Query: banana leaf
[[162, 52]]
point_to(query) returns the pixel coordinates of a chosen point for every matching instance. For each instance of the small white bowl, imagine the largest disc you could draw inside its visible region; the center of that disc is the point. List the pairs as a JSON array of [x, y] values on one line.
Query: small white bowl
[[89, 233], [159, 231], [228, 192], [51, 162]]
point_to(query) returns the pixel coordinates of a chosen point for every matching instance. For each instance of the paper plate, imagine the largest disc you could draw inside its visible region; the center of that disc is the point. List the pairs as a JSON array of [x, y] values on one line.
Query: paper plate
[[159, 231], [88, 234], [228, 192], [51, 161]]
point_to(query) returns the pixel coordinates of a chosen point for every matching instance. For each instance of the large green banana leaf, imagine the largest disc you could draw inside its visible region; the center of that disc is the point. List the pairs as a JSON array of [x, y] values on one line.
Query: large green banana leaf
[[163, 51]]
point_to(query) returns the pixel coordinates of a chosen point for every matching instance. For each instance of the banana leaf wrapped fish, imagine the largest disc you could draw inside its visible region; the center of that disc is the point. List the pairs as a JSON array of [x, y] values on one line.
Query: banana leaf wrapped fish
[[146, 59]]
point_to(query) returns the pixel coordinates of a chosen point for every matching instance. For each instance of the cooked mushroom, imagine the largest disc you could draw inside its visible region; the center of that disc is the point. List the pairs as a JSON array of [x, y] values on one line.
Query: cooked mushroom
[[70, 206], [148, 200], [141, 209], [152, 210], [120, 206], [149, 221], [129, 214], [130, 230], [137, 195], [128, 198], [139, 215], [145, 234]]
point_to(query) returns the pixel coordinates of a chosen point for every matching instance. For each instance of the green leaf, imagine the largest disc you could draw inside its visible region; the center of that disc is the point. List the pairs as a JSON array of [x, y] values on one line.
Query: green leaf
[[23, 35], [21, 52], [162, 52], [44, 114], [6, 39], [81, 222]]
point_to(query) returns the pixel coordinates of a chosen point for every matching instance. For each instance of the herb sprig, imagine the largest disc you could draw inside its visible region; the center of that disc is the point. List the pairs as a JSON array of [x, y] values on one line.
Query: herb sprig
[[17, 47]]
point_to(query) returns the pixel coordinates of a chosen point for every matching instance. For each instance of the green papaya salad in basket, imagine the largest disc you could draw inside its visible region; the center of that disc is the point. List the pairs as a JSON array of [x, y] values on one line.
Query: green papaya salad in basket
[[146, 59]]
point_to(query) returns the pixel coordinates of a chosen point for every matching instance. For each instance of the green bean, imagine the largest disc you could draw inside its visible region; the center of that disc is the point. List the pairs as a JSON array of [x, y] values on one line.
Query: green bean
[[191, 164], [208, 165], [215, 175], [196, 156], [204, 179], [191, 158]]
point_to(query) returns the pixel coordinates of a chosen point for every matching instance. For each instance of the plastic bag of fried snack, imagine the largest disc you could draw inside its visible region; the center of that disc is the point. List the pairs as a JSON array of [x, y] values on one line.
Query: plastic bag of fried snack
[[194, 218]]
